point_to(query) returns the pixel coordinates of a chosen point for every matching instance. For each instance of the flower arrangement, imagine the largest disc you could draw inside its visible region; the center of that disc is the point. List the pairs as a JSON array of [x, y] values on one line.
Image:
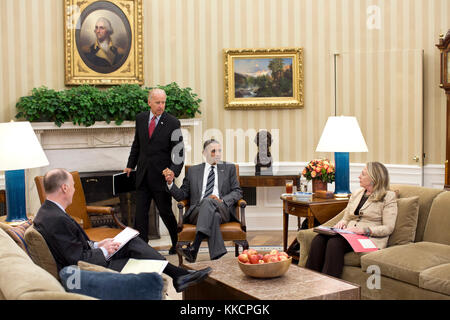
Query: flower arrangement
[[322, 169]]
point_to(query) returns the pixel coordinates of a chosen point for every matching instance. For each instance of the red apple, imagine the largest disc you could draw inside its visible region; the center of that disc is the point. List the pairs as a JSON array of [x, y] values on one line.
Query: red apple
[[283, 254], [266, 258], [274, 251], [254, 259], [251, 251], [260, 261], [260, 256], [273, 258], [245, 251], [243, 257], [282, 258]]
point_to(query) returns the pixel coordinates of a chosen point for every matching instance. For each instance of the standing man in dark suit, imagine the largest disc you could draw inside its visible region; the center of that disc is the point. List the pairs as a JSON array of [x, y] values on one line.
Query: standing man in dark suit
[[158, 145], [213, 190], [69, 243]]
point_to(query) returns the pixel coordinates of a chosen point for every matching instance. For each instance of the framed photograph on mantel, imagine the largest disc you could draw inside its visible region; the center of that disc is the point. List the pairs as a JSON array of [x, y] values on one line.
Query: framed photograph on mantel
[[263, 78], [103, 42]]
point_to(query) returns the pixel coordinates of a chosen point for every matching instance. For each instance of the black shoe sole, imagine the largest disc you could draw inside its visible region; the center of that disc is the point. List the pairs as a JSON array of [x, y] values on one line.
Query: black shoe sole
[[194, 281]]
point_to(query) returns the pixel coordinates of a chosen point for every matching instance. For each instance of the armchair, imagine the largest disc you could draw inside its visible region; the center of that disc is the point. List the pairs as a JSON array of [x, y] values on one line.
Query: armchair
[[80, 211], [231, 231]]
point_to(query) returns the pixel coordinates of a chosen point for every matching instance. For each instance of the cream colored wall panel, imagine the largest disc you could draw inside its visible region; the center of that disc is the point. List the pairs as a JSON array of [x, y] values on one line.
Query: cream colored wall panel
[[184, 41]]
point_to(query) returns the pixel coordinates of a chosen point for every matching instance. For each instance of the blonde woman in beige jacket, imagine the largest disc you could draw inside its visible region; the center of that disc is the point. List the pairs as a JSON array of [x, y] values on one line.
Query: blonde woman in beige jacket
[[371, 211]]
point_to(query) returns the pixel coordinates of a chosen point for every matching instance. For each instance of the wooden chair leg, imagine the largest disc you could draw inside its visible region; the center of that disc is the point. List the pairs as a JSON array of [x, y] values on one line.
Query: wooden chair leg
[[179, 248], [238, 243]]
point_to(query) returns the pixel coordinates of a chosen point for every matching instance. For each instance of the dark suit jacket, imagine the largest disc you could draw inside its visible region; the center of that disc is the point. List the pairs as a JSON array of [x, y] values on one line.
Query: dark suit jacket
[[164, 150], [229, 190], [65, 238]]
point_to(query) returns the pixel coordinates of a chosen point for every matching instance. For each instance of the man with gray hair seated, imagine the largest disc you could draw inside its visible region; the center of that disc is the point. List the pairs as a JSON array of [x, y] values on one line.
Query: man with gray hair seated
[[69, 243]]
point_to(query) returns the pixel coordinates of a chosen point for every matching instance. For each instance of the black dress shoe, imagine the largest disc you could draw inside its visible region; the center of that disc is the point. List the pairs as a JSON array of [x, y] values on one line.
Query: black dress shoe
[[190, 254], [172, 250], [193, 277]]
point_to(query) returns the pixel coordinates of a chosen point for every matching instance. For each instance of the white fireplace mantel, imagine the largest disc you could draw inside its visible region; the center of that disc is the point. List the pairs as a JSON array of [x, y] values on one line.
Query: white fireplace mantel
[[101, 134]]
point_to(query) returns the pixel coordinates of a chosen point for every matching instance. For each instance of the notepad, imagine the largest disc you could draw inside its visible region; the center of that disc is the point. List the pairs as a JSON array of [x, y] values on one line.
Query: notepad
[[123, 237], [144, 265]]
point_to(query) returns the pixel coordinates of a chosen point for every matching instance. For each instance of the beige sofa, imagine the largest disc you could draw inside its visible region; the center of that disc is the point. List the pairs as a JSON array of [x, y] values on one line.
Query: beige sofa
[[21, 279], [418, 268]]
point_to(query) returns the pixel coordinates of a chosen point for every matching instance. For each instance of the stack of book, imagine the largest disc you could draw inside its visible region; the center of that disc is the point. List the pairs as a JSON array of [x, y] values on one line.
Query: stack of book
[[303, 196]]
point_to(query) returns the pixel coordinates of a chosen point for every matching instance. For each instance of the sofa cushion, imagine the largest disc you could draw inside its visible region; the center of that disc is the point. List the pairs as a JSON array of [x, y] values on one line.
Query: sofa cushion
[[353, 259], [19, 276], [406, 222], [113, 286], [426, 197], [83, 265], [406, 262], [17, 233], [438, 224], [436, 279], [39, 251]]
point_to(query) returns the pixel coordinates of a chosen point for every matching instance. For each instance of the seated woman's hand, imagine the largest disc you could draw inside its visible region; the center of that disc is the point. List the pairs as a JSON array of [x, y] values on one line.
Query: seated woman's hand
[[356, 230], [340, 225]]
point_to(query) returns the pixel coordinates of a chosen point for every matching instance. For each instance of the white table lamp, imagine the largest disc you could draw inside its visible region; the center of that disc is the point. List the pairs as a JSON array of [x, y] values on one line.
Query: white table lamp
[[19, 150], [342, 135]]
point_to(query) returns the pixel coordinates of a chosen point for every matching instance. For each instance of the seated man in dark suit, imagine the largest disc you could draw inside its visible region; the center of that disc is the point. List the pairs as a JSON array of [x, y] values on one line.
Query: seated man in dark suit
[[213, 190], [69, 243]]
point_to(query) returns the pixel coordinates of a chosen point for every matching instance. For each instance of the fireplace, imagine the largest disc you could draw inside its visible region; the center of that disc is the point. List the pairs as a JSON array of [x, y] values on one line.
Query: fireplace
[[100, 148], [98, 188]]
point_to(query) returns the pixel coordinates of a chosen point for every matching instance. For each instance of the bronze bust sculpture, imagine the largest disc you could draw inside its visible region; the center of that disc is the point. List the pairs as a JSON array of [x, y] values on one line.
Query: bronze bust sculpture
[[263, 160]]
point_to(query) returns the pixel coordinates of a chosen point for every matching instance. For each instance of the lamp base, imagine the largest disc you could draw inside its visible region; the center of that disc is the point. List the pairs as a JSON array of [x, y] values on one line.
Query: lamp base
[[15, 196], [342, 175]]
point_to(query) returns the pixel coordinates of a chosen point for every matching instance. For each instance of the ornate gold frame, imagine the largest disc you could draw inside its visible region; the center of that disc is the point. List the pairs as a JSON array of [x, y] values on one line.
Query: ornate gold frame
[[131, 68], [294, 101]]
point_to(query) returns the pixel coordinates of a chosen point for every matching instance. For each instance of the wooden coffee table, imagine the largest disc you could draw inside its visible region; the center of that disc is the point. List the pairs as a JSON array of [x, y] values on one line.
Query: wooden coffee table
[[228, 282]]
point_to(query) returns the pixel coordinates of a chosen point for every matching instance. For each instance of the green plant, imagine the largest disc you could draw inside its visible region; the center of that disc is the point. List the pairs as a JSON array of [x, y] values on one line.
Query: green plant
[[85, 104]]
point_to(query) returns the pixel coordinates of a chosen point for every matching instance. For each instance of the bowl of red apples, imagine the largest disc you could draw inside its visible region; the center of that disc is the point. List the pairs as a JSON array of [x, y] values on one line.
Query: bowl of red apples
[[264, 264]]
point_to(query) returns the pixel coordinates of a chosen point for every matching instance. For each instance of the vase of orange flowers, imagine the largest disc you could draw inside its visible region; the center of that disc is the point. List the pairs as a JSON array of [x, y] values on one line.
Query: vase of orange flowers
[[321, 172]]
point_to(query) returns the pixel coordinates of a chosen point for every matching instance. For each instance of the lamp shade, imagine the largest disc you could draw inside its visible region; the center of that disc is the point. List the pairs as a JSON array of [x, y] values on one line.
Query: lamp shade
[[19, 147], [342, 134]]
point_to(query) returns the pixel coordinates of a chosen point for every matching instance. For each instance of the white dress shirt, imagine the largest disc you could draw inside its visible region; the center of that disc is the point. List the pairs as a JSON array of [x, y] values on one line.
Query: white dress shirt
[[205, 180]]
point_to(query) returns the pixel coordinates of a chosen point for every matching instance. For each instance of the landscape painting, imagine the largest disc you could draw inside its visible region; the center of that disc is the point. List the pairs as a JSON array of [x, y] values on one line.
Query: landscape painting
[[258, 78], [263, 78]]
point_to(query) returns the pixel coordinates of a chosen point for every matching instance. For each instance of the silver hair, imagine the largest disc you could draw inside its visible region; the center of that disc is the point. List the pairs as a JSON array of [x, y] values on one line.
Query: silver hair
[[107, 24]]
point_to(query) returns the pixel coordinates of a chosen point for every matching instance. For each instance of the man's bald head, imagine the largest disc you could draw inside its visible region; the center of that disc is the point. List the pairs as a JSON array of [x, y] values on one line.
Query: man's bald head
[[54, 179]]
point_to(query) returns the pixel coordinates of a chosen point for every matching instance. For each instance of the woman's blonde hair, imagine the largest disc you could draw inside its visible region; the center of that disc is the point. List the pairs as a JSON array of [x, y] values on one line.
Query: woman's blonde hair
[[380, 179]]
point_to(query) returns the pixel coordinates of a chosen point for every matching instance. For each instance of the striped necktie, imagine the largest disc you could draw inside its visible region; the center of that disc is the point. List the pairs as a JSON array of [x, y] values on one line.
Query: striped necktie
[[210, 183]]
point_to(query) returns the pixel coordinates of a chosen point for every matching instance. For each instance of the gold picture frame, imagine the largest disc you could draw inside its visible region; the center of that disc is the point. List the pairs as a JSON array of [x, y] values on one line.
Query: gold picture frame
[[263, 78], [103, 42]]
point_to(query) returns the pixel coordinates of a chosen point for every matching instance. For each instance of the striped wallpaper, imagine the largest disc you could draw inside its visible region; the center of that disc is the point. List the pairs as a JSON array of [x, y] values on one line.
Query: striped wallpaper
[[184, 39]]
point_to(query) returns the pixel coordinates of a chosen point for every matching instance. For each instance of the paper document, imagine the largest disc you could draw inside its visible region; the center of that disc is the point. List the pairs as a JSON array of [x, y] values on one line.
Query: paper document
[[367, 244], [123, 237], [144, 265], [358, 242]]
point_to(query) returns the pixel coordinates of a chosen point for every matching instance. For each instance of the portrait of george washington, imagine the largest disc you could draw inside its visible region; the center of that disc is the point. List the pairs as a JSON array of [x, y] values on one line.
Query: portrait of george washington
[[103, 37]]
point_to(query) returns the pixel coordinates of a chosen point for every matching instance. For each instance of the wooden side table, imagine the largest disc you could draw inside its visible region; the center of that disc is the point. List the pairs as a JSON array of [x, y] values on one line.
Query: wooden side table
[[321, 209]]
